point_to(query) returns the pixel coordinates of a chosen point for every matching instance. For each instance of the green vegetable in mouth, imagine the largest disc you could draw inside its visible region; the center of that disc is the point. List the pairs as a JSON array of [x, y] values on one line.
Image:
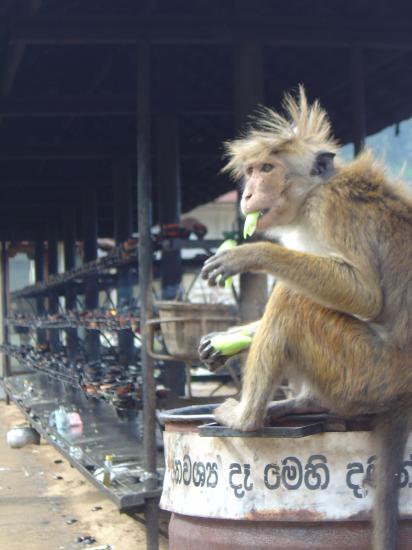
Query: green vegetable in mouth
[[250, 224], [226, 245], [230, 344]]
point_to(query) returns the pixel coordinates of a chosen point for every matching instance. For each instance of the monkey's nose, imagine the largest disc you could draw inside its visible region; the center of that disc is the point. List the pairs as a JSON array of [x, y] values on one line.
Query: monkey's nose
[[247, 196]]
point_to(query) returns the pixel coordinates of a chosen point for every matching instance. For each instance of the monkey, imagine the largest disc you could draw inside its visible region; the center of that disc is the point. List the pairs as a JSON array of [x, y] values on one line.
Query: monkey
[[339, 320]]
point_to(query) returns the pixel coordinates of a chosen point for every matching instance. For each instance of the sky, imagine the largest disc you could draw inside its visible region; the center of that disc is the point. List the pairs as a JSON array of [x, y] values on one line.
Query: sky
[[394, 146]]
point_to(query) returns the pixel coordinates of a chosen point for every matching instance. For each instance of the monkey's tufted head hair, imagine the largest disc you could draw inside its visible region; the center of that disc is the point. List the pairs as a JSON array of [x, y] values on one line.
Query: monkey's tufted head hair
[[302, 129]]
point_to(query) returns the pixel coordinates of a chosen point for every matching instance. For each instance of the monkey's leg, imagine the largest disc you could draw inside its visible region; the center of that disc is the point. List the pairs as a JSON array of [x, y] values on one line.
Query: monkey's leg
[[392, 431], [264, 369], [258, 387], [301, 398], [343, 360], [276, 409]]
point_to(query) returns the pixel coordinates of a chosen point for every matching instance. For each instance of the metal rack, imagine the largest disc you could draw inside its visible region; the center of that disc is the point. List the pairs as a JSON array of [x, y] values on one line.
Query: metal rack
[[102, 433], [81, 375], [125, 255], [109, 320], [120, 256], [71, 374]]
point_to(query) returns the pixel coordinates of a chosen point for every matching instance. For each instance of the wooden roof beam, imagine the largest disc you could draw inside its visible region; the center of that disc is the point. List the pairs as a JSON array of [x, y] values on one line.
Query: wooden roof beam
[[202, 150], [93, 106], [65, 151], [41, 183], [15, 54], [7, 5], [328, 31]]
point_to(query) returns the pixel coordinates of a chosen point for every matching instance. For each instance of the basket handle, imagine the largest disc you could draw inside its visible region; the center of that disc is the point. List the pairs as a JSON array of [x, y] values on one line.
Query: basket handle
[[152, 323], [149, 337]]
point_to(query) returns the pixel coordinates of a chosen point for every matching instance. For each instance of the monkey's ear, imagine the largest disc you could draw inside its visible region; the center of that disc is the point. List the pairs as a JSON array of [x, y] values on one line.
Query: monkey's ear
[[323, 165]]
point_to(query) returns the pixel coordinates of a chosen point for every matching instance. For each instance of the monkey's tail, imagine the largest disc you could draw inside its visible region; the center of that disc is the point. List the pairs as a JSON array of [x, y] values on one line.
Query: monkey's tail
[[392, 431]]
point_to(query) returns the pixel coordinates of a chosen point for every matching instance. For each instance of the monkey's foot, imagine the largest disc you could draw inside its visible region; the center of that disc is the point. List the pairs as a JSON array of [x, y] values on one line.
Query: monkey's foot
[[231, 414], [276, 409]]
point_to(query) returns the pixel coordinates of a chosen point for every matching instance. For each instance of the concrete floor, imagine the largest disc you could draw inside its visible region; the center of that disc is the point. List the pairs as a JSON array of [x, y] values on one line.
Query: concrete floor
[[35, 505]]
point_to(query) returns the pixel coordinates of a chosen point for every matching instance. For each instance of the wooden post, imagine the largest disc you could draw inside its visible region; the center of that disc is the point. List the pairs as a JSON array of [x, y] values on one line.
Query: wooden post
[[169, 193], [70, 231], [358, 99], [248, 94], [122, 191], [91, 299], [144, 206], [54, 334]]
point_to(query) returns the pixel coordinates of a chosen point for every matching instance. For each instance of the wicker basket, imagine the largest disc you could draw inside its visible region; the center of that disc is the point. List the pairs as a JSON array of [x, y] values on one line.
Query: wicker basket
[[183, 324]]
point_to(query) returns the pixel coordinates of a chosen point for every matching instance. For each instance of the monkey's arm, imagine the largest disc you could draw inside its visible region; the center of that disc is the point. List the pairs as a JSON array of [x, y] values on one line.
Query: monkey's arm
[[249, 329], [328, 280], [212, 357]]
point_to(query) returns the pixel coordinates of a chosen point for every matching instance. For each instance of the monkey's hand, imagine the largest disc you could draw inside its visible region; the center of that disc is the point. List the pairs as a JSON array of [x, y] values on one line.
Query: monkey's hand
[[234, 340], [227, 263], [209, 355]]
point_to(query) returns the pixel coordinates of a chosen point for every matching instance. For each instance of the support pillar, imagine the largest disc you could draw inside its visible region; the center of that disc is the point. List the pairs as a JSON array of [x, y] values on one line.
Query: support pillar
[[249, 93], [91, 298], [69, 229], [122, 187], [53, 296], [169, 193], [39, 273], [5, 309], [168, 185], [144, 206], [358, 99]]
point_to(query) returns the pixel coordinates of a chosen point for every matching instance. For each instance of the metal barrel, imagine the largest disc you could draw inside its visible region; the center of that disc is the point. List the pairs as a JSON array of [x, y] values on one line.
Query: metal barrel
[[301, 483]]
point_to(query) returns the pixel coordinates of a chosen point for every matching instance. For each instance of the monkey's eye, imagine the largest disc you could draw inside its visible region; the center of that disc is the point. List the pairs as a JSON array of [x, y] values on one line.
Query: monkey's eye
[[249, 170], [267, 167]]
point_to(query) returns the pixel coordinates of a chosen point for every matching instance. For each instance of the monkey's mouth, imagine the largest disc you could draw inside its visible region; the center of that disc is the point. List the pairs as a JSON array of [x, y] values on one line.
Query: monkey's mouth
[[266, 218], [262, 215]]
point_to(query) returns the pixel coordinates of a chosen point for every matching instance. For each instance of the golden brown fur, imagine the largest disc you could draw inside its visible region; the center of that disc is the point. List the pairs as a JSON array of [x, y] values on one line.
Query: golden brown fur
[[303, 128], [340, 318]]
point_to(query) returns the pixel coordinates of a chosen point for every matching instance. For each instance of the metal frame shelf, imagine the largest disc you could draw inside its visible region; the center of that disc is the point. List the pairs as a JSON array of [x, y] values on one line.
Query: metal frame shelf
[[37, 395], [102, 321], [115, 259], [120, 256]]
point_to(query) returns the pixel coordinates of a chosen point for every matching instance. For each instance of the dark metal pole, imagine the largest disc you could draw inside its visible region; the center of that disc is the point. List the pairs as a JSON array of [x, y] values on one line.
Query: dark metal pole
[[248, 94], [169, 200], [122, 187], [5, 306], [69, 263], [144, 205], [39, 277], [91, 299], [53, 295], [168, 185], [358, 99]]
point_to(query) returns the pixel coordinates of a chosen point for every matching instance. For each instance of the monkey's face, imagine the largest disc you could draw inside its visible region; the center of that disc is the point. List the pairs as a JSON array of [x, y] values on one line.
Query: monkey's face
[[277, 184], [270, 188]]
